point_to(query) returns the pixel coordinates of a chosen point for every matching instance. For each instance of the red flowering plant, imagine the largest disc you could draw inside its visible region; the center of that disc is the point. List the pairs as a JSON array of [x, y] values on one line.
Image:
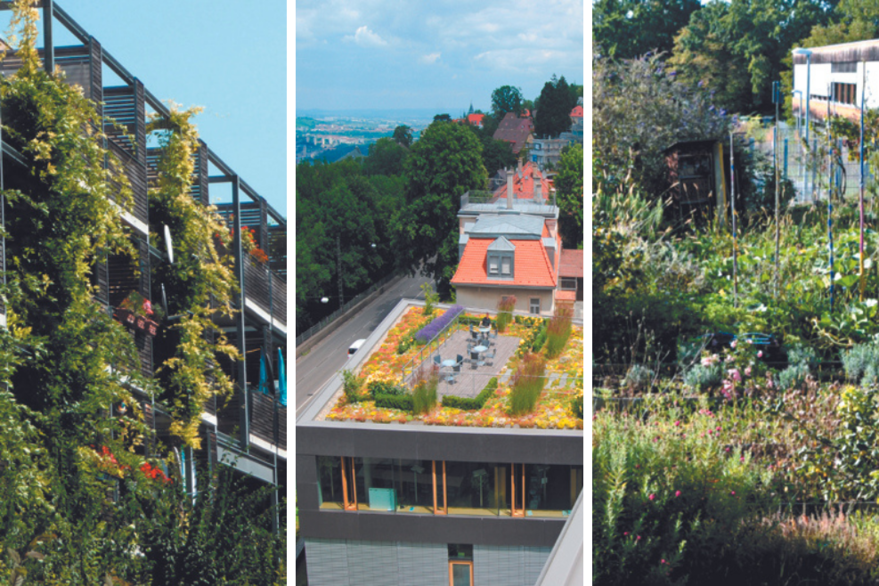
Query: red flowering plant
[[248, 243], [138, 313], [154, 473]]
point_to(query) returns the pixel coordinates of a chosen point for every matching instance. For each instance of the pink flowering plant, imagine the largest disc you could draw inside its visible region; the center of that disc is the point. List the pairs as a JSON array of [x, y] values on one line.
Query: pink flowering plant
[[669, 490]]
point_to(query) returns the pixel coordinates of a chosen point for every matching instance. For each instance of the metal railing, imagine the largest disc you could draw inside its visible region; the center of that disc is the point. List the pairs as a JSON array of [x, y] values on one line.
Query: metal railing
[[441, 338], [336, 314]]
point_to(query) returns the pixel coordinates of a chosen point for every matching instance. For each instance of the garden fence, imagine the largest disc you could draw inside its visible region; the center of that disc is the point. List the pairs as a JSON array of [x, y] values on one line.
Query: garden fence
[[333, 316], [792, 162]]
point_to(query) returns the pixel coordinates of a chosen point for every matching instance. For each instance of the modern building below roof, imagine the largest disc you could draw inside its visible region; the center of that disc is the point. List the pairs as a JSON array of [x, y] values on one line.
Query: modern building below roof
[[431, 504], [836, 76]]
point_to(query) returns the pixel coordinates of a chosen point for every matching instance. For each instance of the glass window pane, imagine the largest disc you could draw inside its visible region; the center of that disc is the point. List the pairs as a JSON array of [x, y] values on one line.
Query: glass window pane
[[330, 479], [413, 480], [472, 488], [461, 574], [378, 480], [505, 265]]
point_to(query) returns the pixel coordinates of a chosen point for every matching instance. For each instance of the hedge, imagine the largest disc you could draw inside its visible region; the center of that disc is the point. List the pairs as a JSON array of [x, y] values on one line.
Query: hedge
[[401, 402], [468, 404]]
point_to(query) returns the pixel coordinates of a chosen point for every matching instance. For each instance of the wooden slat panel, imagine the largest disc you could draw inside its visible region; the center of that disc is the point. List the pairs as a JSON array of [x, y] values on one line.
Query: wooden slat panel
[[256, 282], [96, 91], [279, 299]]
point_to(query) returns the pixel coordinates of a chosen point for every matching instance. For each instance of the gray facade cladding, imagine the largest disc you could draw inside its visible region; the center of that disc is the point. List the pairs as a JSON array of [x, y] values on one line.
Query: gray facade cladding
[[334, 562], [495, 565]]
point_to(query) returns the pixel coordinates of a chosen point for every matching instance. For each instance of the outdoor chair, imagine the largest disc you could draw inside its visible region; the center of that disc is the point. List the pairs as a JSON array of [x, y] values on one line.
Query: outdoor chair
[[474, 359], [489, 357], [456, 370], [437, 361], [459, 360]]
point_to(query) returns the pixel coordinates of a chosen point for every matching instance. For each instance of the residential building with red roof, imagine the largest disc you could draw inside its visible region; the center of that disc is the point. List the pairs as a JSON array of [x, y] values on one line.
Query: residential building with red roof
[[515, 130], [509, 245], [475, 119], [577, 122]]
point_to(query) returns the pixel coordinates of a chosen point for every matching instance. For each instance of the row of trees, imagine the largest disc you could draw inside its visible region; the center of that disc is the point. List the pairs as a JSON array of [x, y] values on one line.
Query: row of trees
[[738, 47]]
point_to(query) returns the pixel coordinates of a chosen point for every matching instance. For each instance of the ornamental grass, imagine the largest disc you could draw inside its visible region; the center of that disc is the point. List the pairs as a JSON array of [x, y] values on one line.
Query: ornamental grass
[[526, 384]]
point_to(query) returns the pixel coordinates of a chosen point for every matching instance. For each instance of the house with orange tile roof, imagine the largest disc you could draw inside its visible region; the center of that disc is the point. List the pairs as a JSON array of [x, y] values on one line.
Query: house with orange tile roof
[[475, 119], [577, 123], [509, 245]]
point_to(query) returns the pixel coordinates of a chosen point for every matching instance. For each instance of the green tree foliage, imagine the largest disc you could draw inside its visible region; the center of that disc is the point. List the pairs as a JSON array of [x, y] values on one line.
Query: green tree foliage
[[496, 154], [341, 213], [506, 99], [639, 110], [569, 183], [630, 28], [386, 157], [554, 115], [442, 118], [444, 164], [739, 48], [403, 135]]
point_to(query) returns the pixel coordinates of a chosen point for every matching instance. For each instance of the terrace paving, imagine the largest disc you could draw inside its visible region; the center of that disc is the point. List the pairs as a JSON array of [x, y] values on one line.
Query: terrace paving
[[469, 382]]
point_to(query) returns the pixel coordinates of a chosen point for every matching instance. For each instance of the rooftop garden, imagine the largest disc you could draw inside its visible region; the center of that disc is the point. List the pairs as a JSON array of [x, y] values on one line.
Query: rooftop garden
[[541, 386]]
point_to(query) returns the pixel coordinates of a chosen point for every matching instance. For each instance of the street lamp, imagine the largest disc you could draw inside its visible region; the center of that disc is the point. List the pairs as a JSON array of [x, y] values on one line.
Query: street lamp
[[808, 55]]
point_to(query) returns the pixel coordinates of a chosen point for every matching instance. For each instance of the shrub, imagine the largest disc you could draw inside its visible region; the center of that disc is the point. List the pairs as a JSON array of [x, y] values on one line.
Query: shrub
[[468, 404], [526, 384], [505, 312], [405, 343], [433, 329], [576, 404], [667, 495], [352, 385], [861, 364], [377, 388], [539, 339], [638, 378], [559, 330], [424, 395], [704, 376], [401, 402], [431, 298]]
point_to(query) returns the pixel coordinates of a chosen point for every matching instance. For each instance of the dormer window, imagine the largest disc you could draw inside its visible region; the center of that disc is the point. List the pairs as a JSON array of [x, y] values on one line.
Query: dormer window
[[500, 259]]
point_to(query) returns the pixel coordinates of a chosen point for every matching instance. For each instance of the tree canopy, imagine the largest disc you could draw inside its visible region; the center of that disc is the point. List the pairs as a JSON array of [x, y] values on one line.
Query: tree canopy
[[569, 183], [403, 135], [630, 28], [506, 99], [443, 165], [554, 114]]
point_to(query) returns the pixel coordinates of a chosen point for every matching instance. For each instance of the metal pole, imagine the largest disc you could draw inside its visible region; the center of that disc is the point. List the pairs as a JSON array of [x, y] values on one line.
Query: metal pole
[[776, 94], [244, 425], [830, 196], [48, 47], [808, 110], [732, 203], [861, 182]]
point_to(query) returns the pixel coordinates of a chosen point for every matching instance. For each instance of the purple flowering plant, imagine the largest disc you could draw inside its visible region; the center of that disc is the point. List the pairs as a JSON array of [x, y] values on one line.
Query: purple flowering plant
[[437, 325]]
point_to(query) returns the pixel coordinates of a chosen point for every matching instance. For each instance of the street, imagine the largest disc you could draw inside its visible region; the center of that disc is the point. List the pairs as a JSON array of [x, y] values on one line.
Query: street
[[317, 367]]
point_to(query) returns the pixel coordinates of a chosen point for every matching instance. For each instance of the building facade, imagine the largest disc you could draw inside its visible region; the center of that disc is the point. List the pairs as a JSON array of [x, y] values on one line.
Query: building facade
[[248, 434], [394, 504]]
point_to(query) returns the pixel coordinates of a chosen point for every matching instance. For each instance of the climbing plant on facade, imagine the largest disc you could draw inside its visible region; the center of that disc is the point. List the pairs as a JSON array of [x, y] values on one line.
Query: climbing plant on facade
[[199, 283]]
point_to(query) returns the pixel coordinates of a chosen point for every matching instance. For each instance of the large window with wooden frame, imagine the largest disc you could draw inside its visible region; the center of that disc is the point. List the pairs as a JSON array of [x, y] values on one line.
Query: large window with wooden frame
[[845, 93], [436, 487]]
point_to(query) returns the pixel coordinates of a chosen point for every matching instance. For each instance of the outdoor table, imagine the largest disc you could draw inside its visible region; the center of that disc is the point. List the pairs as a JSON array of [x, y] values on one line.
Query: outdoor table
[[479, 350], [449, 363], [484, 329]]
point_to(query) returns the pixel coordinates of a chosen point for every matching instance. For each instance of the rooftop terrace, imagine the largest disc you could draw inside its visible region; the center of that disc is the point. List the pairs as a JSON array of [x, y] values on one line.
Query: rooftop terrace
[[475, 392]]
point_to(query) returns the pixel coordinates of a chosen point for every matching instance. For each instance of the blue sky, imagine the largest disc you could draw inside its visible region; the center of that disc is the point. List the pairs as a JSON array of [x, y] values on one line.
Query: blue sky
[[442, 54], [229, 57]]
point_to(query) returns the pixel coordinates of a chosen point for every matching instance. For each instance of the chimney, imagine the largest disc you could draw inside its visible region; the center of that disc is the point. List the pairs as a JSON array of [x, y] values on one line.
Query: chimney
[[538, 189], [510, 189]]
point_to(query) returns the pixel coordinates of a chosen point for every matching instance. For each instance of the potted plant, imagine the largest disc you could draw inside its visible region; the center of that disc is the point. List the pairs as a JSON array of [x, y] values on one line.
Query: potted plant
[[136, 312]]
